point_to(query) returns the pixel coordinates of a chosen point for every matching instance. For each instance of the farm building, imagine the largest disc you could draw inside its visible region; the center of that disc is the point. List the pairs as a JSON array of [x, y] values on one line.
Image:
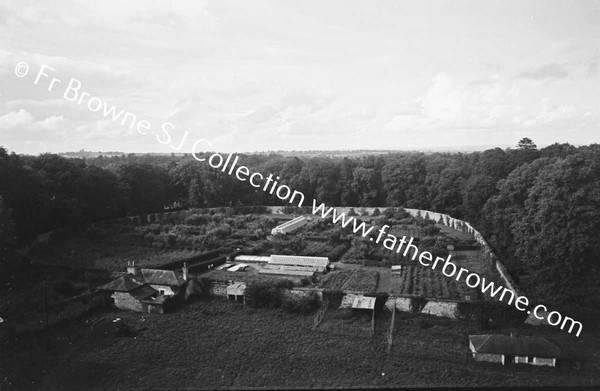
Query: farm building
[[145, 290], [236, 291], [290, 226], [167, 282], [365, 304], [292, 271], [510, 349], [295, 266], [131, 294], [319, 263]]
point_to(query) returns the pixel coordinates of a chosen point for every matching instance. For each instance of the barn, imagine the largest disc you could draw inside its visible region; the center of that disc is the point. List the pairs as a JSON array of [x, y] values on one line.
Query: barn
[[514, 350], [166, 282]]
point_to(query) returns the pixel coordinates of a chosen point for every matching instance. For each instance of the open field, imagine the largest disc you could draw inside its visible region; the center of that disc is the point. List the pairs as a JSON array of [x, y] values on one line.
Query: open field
[[217, 344]]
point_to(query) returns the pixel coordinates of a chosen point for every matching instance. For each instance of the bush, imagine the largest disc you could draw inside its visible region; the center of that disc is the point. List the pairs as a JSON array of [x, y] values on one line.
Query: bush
[[300, 304], [267, 294], [336, 253], [376, 212]]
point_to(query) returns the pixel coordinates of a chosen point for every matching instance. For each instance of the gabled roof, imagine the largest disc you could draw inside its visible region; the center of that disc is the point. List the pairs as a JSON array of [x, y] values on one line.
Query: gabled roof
[[126, 283], [514, 346], [162, 277], [143, 292]]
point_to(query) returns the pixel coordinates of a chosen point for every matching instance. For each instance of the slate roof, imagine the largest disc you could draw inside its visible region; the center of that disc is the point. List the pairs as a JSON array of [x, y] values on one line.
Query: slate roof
[[126, 283], [514, 346], [142, 292], [162, 277]]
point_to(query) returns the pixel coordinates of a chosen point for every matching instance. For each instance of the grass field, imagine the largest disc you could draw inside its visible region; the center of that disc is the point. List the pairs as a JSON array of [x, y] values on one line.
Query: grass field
[[217, 345]]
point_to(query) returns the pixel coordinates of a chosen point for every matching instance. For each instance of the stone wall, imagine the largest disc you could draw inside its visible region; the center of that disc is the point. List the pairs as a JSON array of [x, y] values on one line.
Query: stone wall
[[218, 289], [125, 301]]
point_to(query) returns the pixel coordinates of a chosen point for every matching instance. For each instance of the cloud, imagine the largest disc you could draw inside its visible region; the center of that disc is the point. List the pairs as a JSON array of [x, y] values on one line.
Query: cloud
[[52, 123], [16, 119], [552, 71]]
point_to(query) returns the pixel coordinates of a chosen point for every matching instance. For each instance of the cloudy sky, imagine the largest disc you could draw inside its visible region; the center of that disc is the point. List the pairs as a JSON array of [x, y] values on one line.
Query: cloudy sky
[[294, 75]]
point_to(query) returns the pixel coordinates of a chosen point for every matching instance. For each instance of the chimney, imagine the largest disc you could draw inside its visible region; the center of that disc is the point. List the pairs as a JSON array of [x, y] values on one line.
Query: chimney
[[184, 269], [132, 269]]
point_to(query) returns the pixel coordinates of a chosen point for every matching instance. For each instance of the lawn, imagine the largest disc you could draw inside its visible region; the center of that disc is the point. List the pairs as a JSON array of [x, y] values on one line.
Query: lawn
[[217, 344]]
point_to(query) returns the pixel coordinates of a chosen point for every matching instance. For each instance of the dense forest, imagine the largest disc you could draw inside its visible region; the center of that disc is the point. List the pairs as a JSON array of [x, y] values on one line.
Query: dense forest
[[538, 208]]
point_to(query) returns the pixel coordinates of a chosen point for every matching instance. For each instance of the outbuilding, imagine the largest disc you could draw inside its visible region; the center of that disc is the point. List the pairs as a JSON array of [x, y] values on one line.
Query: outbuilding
[[514, 350]]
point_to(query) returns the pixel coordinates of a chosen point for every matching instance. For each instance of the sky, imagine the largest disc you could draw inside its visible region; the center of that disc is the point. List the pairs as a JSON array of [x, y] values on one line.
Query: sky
[[253, 75]]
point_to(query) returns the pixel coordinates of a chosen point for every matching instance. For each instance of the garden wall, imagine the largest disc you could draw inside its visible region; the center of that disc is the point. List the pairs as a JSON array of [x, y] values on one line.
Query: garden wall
[[432, 307]]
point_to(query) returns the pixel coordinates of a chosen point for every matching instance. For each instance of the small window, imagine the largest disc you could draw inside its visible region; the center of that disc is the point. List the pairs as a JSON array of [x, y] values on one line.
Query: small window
[[162, 291], [530, 359]]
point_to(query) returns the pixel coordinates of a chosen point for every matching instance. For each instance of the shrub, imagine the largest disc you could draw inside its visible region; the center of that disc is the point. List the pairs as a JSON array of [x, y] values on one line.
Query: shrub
[[376, 212], [267, 294], [300, 304], [336, 253], [389, 212]]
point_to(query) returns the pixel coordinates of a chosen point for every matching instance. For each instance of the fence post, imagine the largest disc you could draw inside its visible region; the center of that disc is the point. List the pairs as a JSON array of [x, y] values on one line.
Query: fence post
[[390, 338]]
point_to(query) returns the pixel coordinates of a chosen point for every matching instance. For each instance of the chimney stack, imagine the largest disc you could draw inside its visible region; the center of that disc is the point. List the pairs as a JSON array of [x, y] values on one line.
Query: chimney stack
[[185, 271], [132, 268]]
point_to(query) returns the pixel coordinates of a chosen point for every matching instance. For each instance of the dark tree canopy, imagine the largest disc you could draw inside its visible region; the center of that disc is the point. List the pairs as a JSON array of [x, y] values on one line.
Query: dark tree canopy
[[537, 208]]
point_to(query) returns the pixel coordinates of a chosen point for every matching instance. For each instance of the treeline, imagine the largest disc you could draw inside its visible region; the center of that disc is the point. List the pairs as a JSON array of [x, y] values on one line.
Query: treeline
[[539, 208]]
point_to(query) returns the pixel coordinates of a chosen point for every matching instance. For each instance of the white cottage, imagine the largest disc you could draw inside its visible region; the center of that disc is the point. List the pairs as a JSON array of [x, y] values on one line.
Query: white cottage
[[514, 350]]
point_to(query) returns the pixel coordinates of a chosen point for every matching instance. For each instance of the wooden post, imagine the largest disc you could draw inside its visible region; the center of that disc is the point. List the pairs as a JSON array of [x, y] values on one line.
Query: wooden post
[[373, 322], [391, 332]]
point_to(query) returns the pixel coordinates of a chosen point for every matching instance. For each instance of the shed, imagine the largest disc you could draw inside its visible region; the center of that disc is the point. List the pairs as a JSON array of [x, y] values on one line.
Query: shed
[[366, 303], [510, 349], [236, 290]]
